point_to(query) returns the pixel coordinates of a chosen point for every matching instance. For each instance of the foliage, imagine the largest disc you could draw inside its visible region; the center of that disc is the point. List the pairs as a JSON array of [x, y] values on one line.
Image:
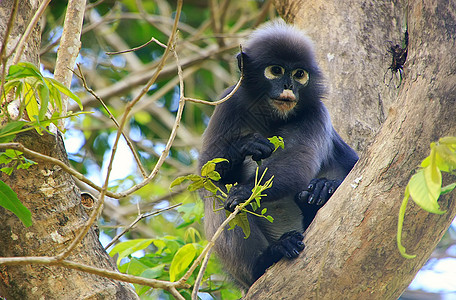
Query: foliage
[[425, 186], [36, 95]]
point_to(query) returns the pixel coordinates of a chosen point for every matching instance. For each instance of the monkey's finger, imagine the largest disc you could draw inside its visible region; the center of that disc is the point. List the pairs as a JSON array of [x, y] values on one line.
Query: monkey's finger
[[230, 204], [312, 184], [315, 196], [324, 194], [302, 197]]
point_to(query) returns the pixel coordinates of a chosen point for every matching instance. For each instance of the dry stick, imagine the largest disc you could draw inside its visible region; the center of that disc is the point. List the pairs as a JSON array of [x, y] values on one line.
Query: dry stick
[[199, 278], [111, 116], [53, 261], [236, 87], [21, 45], [139, 218], [97, 210], [152, 40]]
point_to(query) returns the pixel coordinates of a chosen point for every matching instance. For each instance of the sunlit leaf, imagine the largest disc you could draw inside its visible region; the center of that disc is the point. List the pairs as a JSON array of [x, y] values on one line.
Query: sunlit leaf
[[31, 103], [128, 247], [401, 223], [210, 166], [182, 259], [425, 193], [277, 141]]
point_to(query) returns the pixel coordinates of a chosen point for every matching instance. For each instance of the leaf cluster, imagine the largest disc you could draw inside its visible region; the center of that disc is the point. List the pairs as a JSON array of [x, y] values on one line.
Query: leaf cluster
[[36, 95], [425, 186]]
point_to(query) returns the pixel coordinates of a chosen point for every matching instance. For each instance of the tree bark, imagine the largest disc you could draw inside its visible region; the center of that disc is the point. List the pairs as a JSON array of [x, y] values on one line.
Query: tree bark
[[352, 39], [57, 213], [351, 250]]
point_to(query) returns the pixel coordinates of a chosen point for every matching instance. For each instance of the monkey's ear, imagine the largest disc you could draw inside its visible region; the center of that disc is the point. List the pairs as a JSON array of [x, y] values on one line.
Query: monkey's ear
[[242, 59]]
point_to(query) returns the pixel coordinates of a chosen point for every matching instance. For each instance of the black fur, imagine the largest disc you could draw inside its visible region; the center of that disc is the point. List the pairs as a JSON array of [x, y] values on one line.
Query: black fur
[[238, 130]]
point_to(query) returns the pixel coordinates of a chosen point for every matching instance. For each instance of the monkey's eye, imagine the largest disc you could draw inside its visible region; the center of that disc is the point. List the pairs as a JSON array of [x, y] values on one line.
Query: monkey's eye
[[300, 76], [273, 72]]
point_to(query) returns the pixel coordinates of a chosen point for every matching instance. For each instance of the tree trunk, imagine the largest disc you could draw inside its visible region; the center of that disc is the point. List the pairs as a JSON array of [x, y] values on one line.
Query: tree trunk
[[57, 213], [351, 250]]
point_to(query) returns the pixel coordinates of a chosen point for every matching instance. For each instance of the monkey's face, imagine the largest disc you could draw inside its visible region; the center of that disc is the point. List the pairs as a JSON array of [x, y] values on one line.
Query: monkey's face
[[285, 84]]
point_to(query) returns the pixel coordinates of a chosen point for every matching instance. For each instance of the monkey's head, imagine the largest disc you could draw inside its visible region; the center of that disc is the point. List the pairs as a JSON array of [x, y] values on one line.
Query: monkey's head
[[280, 70]]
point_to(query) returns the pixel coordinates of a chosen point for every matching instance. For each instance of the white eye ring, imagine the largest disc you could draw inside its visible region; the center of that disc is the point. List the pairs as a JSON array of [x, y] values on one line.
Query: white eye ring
[[274, 72], [301, 76]]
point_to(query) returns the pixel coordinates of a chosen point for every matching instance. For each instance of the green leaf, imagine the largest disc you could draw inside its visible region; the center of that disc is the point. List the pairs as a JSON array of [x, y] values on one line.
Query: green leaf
[[65, 91], [214, 175], [31, 103], [448, 188], [7, 170], [181, 261], [22, 70], [425, 192], [270, 219], [401, 223], [210, 186], [128, 247], [9, 200], [43, 92], [196, 185], [8, 132], [277, 141], [242, 221], [179, 180], [210, 166]]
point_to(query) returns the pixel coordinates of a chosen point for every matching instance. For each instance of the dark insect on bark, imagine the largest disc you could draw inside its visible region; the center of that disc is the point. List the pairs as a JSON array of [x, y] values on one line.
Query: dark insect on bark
[[399, 56]]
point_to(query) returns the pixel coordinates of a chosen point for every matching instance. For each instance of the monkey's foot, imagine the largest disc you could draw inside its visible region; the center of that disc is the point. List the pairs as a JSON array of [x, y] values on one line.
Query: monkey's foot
[[318, 191]]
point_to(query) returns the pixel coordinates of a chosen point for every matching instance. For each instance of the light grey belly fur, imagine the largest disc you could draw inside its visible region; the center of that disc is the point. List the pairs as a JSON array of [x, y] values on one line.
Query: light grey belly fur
[[287, 216]]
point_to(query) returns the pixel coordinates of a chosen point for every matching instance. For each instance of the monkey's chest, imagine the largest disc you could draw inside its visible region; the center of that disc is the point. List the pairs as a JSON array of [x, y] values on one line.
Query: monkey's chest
[[287, 217]]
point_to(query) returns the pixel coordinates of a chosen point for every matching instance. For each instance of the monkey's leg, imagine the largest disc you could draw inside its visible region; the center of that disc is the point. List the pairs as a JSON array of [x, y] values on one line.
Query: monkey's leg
[[289, 245]]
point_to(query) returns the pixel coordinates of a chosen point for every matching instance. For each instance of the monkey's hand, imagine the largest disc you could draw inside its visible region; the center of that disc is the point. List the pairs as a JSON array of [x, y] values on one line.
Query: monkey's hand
[[254, 145], [238, 194], [318, 192], [289, 245]]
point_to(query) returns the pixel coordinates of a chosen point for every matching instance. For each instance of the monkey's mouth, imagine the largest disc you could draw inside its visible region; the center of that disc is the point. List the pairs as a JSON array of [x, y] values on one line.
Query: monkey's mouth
[[284, 104]]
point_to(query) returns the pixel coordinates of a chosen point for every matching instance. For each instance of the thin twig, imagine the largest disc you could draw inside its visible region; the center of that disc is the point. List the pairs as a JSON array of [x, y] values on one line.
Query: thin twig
[[139, 218], [236, 87], [22, 42], [111, 116], [175, 293], [152, 40], [199, 278]]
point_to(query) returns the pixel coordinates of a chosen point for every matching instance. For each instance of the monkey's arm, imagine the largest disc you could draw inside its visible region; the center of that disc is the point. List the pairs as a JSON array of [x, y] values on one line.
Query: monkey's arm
[[235, 149], [292, 170]]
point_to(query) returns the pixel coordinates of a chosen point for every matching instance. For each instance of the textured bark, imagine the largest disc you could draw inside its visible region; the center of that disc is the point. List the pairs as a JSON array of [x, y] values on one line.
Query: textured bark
[[351, 250], [351, 39], [57, 213]]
